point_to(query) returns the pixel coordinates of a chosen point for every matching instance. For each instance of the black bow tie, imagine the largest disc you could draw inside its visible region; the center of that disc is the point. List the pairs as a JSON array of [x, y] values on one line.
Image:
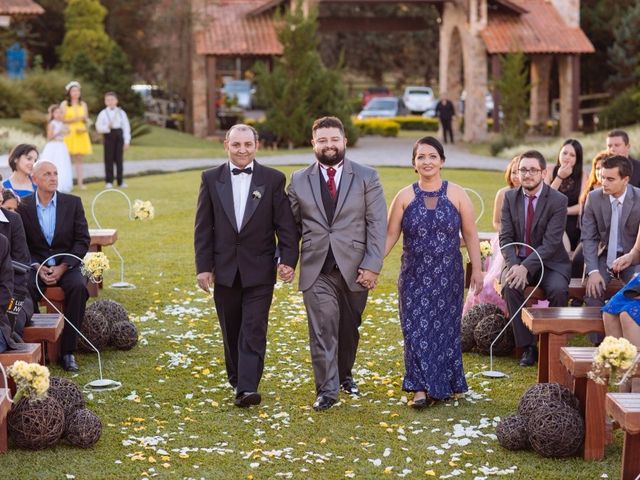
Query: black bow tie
[[238, 171]]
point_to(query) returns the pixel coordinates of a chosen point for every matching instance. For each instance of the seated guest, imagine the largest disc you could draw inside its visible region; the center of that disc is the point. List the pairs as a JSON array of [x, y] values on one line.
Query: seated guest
[[55, 223], [9, 200], [6, 288], [609, 227], [618, 144], [534, 214], [21, 160]]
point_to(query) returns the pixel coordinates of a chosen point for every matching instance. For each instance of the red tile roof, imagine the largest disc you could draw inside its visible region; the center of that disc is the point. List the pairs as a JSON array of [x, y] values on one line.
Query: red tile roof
[[540, 30], [20, 7], [231, 31]]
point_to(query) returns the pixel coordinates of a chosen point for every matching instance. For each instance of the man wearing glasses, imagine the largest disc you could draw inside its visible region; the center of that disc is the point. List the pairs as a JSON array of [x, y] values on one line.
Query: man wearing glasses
[[534, 214], [610, 224]]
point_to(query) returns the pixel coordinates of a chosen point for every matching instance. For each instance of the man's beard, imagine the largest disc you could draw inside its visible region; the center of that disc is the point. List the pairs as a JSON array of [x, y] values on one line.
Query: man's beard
[[330, 160]]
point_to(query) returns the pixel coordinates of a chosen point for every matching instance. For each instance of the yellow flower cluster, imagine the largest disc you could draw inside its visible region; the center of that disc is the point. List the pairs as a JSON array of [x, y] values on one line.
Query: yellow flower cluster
[[94, 264], [143, 210], [613, 355], [32, 379], [485, 250]]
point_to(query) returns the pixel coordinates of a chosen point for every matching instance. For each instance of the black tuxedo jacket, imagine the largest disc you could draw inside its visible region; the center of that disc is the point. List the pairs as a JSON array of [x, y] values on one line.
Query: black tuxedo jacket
[[14, 231], [71, 233], [548, 227], [635, 175], [222, 249]]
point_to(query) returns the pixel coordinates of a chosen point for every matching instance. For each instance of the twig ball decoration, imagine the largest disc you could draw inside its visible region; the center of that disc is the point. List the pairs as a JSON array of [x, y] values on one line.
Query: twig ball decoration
[[67, 393], [471, 319], [36, 424], [113, 311], [124, 335], [83, 428], [97, 330], [542, 394], [512, 432], [488, 329], [556, 430]]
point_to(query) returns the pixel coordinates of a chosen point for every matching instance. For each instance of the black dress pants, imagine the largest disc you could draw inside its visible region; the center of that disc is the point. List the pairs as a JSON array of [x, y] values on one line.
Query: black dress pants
[[113, 154], [447, 129]]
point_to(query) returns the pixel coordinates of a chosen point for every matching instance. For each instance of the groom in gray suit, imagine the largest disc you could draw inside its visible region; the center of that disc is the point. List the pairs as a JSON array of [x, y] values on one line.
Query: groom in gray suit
[[340, 209]]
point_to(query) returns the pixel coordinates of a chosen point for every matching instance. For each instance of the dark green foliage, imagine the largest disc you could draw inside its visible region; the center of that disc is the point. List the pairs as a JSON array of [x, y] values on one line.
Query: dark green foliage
[[622, 110], [14, 98], [48, 87], [84, 24], [514, 89], [624, 54], [138, 127], [300, 88], [500, 144]]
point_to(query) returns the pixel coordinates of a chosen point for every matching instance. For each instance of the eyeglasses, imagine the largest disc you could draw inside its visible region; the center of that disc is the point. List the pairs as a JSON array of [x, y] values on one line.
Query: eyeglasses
[[529, 171]]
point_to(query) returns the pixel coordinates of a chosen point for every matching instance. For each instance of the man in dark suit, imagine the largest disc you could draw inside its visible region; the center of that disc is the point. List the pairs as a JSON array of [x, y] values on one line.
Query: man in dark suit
[[6, 290], [616, 204], [242, 208], [618, 144], [55, 223], [534, 214], [445, 112]]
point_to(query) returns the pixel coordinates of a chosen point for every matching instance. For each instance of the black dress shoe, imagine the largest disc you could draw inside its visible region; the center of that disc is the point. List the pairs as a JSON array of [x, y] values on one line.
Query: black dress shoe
[[323, 403], [350, 387], [529, 357], [246, 399], [68, 363]]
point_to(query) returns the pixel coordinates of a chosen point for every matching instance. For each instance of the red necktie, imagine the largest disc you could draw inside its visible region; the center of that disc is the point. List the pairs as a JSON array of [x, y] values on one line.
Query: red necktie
[[331, 184], [529, 223]]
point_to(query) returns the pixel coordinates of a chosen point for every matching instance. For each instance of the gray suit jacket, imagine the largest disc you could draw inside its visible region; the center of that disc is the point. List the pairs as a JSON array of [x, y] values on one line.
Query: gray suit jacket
[[596, 220], [358, 231]]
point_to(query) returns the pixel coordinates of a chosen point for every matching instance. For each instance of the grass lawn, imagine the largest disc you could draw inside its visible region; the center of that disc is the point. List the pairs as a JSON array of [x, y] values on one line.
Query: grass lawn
[[174, 416]]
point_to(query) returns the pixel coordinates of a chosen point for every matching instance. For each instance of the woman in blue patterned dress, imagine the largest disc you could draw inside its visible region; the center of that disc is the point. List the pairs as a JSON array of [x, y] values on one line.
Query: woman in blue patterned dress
[[430, 214], [621, 314]]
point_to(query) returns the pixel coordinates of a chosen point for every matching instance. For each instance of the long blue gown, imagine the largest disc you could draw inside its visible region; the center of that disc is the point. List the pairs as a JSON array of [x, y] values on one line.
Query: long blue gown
[[431, 289]]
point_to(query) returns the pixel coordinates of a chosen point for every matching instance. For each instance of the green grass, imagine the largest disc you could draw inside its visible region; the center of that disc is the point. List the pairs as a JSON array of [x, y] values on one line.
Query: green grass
[[186, 408]]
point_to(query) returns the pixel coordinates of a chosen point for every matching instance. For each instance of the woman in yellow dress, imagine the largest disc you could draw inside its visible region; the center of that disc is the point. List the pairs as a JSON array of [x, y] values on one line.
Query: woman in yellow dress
[[76, 116]]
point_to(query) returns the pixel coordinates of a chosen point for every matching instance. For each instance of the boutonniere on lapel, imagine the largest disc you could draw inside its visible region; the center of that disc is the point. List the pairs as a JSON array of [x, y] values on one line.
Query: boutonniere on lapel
[[256, 194]]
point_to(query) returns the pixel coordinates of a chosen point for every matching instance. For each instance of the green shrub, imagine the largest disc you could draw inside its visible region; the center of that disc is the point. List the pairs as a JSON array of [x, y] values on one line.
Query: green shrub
[[414, 122], [622, 110], [500, 144], [378, 126], [14, 98], [36, 118]]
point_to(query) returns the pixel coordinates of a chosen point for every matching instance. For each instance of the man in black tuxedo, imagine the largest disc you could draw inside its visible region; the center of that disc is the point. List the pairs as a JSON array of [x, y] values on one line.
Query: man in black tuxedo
[[55, 223], [618, 144], [534, 214], [6, 289], [242, 208]]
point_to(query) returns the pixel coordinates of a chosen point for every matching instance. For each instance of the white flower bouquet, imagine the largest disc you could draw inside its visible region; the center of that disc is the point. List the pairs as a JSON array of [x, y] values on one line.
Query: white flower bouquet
[[143, 210], [613, 358], [94, 264], [32, 380]]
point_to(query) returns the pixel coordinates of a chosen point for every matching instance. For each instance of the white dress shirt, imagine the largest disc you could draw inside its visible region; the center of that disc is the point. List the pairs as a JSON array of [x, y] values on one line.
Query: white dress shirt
[[110, 118], [338, 175], [240, 185]]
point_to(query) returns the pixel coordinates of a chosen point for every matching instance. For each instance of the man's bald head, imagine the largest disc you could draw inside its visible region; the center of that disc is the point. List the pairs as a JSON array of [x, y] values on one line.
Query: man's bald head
[[45, 176], [40, 164]]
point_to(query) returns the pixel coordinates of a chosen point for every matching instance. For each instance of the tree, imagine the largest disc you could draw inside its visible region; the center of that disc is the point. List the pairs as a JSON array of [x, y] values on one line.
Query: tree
[[301, 88], [514, 89], [84, 23], [624, 54]]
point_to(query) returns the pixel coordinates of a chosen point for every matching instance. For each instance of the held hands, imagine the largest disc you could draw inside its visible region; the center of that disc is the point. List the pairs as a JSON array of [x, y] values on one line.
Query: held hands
[[285, 273], [595, 285], [367, 278], [205, 281], [517, 276], [50, 275]]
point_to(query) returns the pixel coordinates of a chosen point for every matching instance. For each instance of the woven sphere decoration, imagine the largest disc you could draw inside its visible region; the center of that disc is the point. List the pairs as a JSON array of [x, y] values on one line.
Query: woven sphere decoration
[[541, 394], [512, 432], [83, 428], [556, 430], [36, 424], [470, 320], [488, 329], [97, 330], [112, 311], [67, 393], [124, 335]]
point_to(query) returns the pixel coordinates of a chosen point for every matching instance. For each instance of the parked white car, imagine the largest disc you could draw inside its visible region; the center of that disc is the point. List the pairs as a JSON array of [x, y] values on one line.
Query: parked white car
[[418, 99]]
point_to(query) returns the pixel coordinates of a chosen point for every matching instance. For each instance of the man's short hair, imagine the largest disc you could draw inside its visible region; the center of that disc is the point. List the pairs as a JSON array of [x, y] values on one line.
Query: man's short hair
[[111, 94], [619, 133], [534, 154], [243, 128], [623, 163], [328, 122]]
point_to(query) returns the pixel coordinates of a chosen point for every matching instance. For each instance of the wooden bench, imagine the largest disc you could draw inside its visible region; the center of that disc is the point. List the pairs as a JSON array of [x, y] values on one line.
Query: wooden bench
[[552, 325], [46, 329], [56, 296], [592, 396], [102, 237], [624, 408], [5, 406], [28, 352]]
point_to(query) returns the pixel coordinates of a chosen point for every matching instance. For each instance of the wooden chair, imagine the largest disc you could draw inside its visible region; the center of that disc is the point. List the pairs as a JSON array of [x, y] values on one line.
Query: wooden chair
[[100, 238], [624, 408], [5, 406], [46, 329], [56, 296]]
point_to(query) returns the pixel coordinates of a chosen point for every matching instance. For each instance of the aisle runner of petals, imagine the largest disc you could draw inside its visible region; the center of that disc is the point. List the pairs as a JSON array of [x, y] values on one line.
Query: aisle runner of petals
[[197, 354]]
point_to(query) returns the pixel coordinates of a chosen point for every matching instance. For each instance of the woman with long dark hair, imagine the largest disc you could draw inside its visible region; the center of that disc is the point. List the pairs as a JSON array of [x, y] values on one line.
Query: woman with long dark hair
[[21, 160]]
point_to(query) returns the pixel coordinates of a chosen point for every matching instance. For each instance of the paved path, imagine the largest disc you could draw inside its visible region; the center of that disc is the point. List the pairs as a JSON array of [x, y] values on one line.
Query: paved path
[[376, 151]]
